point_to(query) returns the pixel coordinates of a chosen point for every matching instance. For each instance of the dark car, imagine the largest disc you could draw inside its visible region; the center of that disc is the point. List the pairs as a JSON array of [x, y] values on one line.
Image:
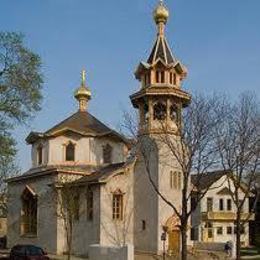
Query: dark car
[[28, 252]]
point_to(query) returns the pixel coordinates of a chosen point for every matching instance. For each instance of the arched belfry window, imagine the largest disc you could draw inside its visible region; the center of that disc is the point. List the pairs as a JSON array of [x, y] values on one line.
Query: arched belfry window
[[40, 154], [173, 113], [29, 212], [107, 153], [160, 76], [159, 111], [70, 152], [146, 113]]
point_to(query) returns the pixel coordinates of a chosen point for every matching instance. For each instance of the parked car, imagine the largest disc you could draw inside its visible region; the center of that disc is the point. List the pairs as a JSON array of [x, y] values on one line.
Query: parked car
[[28, 252]]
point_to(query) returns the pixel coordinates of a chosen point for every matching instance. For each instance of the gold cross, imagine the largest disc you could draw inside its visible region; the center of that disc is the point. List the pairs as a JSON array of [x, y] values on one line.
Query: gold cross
[[83, 77]]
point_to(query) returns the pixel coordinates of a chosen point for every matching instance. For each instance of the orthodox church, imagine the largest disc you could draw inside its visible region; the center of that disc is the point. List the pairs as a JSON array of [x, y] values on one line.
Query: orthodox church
[[116, 203]]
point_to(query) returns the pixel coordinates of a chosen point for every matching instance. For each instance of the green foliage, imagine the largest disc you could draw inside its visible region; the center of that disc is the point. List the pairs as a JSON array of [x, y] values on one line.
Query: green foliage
[[20, 89]]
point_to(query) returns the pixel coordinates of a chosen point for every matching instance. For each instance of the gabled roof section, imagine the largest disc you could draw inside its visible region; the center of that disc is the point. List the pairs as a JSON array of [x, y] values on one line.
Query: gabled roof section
[[162, 51], [225, 191], [103, 174], [204, 181], [82, 123]]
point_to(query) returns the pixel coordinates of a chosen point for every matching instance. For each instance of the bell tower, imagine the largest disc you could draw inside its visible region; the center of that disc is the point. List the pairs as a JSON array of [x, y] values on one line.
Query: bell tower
[[160, 99]]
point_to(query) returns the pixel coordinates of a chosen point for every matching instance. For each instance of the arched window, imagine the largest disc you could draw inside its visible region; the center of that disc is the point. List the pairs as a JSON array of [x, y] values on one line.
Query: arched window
[[146, 113], [160, 77], [70, 152], [173, 113], [171, 77], [107, 153], [146, 79], [174, 79], [29, 212], [118, 206], [39, 154], [159, 111]]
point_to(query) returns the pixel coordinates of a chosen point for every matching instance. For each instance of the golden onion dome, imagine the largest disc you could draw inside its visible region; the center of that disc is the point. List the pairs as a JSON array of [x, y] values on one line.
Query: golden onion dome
[[82, 91], [161, 13]]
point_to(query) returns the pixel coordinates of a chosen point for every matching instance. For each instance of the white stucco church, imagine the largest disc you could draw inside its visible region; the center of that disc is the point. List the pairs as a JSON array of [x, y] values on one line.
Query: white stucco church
[[116, 201]]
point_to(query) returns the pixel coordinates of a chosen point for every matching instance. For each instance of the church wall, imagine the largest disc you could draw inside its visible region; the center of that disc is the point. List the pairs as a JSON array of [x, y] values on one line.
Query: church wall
[[146, 201], [87, 150], [57, 150], [167, 164], [46, 229], [117, 152], [117, 232], [87, 232]]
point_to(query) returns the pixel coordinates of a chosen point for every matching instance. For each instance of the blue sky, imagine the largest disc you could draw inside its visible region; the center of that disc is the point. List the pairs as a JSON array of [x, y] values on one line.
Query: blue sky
[[219, 42]]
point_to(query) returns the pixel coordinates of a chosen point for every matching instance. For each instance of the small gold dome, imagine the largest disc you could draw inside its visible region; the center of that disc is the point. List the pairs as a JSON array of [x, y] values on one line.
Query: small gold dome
[[161, 13], [82, 92]]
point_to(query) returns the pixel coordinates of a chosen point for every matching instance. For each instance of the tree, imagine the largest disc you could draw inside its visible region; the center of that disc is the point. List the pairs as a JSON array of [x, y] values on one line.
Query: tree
[[67, 197], [238, 144], [20, 88], [193, 150]]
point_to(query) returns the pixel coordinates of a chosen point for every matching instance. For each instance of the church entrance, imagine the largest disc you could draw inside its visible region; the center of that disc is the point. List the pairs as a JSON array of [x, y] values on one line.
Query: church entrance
[[174, 242], [174, 235]]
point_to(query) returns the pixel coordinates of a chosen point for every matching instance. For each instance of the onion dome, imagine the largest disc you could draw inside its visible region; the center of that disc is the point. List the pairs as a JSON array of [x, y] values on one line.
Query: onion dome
[[83, 93], [161, 13]]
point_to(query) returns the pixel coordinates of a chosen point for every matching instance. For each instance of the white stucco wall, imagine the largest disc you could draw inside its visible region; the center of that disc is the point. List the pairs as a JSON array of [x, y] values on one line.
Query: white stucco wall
[[213, 193], [146, 201], [47, 222], [88, 150], [117, 232]]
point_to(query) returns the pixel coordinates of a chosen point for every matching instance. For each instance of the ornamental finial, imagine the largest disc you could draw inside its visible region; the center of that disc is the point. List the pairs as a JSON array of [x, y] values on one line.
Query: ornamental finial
[[83, 77], [161, 13]]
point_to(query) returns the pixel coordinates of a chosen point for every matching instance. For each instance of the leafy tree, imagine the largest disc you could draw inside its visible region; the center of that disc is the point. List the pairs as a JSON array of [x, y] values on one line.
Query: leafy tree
[[20, 90]]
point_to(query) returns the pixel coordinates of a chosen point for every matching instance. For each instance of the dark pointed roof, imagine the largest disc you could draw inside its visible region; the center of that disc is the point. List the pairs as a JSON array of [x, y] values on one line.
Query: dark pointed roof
[[82, 123], [161, 50], [204, 181]]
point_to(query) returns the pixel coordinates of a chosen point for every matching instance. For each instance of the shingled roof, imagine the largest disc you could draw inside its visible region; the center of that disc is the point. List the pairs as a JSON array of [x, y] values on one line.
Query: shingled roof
[[102, 174], [161, 50], [205, 180], [81, 122]]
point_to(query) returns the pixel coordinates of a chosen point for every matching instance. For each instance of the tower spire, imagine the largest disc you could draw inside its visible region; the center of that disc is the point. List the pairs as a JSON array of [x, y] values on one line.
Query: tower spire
[[83, 93]]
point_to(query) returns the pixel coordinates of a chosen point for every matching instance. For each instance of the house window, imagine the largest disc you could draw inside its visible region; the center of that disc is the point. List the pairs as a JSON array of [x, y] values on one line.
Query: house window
[[118, 206], [107, 153], [70, 152], [143, 225], [219, 230], [29, 213], [209, 204], [221, 204], [159, 111], [39, 154], [90, 204], [229, 230], [194, 233], [229, 204], [209, 226]]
